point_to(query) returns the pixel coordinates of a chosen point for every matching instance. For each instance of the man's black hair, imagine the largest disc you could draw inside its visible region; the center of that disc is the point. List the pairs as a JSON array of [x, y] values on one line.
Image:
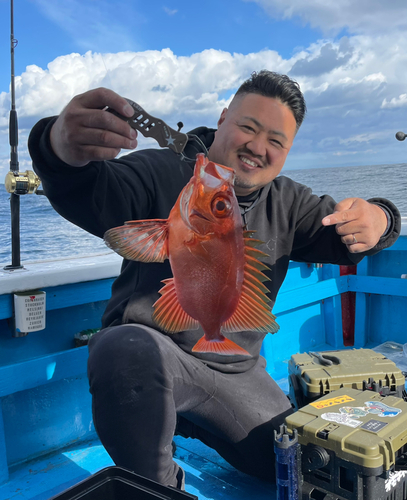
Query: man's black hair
[[277, 86]]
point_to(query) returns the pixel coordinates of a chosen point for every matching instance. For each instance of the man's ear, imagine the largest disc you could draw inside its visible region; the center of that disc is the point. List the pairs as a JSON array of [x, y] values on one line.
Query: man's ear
[[222, 117]]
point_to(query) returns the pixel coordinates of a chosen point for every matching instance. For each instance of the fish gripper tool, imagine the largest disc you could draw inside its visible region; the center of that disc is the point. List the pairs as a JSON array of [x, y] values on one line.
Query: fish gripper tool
[[153, 127]]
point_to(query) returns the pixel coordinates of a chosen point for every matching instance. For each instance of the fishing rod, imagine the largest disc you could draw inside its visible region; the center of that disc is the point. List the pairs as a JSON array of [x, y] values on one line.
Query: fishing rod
[[13, 139], [16, 184]]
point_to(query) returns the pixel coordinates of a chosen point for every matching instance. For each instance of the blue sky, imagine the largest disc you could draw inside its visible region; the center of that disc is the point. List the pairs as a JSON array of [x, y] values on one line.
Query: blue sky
[[183, 60]]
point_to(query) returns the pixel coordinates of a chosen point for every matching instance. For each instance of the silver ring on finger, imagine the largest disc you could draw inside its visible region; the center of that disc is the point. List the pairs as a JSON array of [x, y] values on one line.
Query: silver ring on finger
[[354, 238]]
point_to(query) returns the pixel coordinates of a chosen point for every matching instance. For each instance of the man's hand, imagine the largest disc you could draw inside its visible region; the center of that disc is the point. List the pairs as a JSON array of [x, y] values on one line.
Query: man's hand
[[85, 132], [360, 223]]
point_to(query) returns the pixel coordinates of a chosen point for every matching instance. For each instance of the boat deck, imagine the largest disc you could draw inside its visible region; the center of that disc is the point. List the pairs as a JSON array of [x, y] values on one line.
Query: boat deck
[[208, 476]]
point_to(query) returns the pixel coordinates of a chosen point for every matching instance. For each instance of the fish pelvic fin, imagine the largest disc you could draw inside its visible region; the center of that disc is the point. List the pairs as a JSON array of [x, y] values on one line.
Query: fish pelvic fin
[[142, 240], [224, 346], [168, 312], [253, 311]]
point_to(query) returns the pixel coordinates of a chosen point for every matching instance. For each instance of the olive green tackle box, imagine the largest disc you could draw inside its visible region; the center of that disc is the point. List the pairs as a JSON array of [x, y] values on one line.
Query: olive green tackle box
[[314, 374], [353, 446]]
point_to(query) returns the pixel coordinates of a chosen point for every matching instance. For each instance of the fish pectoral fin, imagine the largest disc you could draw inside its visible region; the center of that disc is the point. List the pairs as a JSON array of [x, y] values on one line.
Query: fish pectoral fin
[[142, 240], [168, 312], [224, 346]]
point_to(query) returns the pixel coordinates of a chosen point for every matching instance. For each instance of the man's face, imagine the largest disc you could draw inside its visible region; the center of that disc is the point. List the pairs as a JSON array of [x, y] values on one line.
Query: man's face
[[254, 137]]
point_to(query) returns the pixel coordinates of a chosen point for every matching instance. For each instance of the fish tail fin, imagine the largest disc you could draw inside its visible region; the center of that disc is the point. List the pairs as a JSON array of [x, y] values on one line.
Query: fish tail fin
[[224, 346]]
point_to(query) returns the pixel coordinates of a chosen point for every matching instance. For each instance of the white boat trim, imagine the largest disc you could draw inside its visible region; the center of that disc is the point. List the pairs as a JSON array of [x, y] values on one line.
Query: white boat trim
[[46, 273]]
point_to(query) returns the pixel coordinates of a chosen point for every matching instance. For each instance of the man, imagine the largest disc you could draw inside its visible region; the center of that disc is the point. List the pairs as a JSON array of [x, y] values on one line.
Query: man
[[146, 385]]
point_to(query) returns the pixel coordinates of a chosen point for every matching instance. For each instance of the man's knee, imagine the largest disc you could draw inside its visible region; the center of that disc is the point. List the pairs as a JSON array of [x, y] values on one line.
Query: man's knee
[[124, 350], [119, 340]]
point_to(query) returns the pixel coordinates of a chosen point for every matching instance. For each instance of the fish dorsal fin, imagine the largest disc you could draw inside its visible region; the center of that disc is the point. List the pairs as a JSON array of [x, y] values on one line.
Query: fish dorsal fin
[[142, 240], [253, 311], [168, 313]]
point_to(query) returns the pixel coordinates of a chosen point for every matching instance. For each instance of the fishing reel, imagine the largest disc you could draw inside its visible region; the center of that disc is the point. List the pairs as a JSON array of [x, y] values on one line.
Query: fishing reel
[[22, 182]]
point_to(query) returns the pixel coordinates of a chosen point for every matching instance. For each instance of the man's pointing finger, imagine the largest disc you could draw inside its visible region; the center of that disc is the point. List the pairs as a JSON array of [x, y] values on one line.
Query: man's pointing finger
[[337, 218], [344, 212]]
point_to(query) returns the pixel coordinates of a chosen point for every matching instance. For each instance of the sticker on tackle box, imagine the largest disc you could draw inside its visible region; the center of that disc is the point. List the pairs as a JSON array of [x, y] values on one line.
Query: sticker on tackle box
[[341, 418], [394, 479], [348, 414], [381, 410], [374, 425], [327, 403]]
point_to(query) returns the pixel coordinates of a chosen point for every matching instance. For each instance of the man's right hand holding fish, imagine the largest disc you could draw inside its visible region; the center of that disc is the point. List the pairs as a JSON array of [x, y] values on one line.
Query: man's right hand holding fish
[[185, 357]]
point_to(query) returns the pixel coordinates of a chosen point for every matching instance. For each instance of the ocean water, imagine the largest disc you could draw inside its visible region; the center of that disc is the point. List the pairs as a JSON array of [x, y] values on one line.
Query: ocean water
[[46, 235]]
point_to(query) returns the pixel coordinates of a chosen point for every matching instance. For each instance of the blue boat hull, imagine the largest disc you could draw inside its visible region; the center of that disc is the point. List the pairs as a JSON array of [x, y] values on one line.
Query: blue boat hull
[[47, 438]]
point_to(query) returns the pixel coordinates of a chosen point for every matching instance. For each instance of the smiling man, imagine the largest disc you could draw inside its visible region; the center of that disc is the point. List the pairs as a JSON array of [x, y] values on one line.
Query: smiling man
[[146, 385], [254, 137]]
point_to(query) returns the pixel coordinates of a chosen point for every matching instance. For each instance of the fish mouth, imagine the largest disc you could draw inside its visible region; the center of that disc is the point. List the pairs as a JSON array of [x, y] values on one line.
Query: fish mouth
[[198, 214]]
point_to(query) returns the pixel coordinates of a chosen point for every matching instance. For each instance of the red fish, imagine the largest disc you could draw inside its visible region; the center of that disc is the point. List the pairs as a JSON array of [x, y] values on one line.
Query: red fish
[[217, 280]]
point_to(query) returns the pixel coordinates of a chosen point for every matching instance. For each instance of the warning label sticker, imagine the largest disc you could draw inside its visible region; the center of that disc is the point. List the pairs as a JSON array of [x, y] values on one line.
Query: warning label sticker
[[327, 403]]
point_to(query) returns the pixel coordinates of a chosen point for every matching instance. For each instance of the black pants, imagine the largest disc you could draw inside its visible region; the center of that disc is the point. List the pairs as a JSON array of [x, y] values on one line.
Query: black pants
[[141, 382]]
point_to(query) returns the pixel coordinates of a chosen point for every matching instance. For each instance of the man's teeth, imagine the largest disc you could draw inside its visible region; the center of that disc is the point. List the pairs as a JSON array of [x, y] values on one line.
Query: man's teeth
[[248, 162]]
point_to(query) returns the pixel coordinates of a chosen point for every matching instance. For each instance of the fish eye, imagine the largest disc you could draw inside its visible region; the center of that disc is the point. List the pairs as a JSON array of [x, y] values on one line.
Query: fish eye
[[221, 207]]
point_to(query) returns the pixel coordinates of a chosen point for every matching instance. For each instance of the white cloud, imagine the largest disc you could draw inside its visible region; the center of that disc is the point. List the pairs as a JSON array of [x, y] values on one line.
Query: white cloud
[[345, 153], [170, 12], [332, 16], [361, 138], [159, 80], [395, 102], [376, 77]]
